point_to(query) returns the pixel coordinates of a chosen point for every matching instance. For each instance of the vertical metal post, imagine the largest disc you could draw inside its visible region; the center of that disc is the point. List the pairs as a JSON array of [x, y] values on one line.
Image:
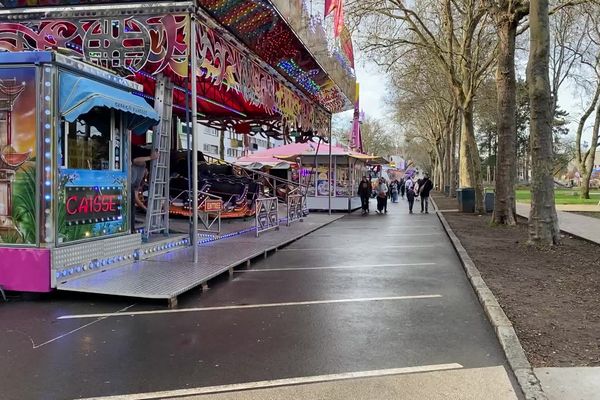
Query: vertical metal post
[[194, 64], [330, 168]]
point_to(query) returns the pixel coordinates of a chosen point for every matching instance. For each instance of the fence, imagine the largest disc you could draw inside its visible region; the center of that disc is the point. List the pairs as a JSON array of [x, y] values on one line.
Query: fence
[[295, 208], [267, 215]]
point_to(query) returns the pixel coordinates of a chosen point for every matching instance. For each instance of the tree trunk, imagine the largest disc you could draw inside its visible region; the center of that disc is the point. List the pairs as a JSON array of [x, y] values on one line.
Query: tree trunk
[[470, 164], [583, 157], [506, 157], [590, 158], [543, 221], [454, 139]]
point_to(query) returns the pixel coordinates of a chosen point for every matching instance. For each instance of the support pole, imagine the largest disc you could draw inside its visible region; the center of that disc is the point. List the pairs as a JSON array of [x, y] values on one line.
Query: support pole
[[330, 168], [194, 64]]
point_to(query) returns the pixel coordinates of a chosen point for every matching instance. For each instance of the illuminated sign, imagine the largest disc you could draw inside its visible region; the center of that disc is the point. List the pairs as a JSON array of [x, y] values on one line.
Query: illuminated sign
[[213, 205], [93, 204]]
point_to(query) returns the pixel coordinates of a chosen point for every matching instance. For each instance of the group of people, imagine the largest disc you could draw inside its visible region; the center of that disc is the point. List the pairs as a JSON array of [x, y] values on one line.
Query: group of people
[[410, 186]]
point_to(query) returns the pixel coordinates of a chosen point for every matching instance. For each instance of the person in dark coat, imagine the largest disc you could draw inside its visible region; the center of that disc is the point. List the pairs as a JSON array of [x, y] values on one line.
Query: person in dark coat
[[140, 158], [402, 187], [424, 190], [364, 191], [410, 193]]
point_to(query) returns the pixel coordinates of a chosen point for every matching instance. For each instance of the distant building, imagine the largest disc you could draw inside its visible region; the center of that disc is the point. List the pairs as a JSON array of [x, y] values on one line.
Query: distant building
[[210, 138]]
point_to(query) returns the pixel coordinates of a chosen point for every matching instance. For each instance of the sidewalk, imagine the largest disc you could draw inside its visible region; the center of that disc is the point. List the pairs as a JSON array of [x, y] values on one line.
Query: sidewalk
[[587, 228]]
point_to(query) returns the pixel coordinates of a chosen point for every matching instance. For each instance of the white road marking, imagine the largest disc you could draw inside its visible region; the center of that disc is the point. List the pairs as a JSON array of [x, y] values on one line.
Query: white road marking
[[281, 382], [346, 247], [248, 306], [388, 235], [336, 267], [37, 346]]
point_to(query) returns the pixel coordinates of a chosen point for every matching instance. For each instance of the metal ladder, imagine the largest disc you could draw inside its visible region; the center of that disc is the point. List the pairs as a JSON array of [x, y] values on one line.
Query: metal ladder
[[157, 214]]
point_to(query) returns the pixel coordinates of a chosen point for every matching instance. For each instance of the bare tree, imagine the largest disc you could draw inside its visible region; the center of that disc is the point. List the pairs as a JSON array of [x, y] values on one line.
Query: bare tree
[[543, 221], [457, 35], [586, 29]]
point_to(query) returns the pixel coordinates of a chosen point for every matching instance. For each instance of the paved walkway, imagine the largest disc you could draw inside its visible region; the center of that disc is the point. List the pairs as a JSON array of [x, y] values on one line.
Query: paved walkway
[[374, 307], [578, 225]]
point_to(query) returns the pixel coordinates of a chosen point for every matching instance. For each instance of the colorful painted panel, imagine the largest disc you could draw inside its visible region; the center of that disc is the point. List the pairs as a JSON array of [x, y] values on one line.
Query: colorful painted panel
[[228, 68], [18, 196], [91, 204], [29, 3], [153, 43]]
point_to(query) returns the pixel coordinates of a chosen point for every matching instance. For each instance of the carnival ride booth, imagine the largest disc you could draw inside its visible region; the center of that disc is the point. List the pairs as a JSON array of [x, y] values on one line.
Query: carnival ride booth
[[308, 164], [237, 193], [65, 130]]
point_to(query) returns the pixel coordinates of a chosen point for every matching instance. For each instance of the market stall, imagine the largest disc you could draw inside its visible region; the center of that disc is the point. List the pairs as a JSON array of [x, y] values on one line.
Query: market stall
[[64, 164]]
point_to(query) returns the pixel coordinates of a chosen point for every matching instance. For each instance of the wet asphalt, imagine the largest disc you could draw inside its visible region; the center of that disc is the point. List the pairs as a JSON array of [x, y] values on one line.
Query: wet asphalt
[[357, 257]]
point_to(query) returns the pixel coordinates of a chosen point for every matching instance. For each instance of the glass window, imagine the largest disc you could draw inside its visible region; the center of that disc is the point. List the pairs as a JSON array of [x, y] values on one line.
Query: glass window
[[93, 141], [211, 149]]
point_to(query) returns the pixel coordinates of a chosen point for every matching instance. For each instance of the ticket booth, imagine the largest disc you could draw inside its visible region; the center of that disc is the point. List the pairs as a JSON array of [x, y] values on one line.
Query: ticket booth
[[65, 129]]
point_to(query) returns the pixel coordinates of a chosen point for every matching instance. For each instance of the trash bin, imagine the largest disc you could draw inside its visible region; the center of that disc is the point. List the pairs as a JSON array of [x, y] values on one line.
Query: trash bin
[[466, 200], [489, 199]]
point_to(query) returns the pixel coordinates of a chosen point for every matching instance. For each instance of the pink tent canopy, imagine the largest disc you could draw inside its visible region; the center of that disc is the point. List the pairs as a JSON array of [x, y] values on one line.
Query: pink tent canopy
[[291, 151]]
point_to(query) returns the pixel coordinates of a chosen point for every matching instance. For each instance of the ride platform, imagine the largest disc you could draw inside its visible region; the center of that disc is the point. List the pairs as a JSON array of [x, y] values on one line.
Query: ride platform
[[168, 275]]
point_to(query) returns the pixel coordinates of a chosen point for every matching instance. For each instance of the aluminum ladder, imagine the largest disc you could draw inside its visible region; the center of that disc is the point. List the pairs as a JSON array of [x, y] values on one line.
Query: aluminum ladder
[[157, 213]]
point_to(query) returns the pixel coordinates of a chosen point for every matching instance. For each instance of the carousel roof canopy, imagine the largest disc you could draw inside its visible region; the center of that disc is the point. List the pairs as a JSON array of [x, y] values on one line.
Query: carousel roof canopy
[[252, 64]]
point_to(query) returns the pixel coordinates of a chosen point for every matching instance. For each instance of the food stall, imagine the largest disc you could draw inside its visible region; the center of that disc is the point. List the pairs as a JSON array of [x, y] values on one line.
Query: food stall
[[65, 129]]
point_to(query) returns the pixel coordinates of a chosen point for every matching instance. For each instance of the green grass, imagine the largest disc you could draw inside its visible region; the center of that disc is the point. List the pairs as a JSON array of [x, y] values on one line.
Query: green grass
[[564, 196]]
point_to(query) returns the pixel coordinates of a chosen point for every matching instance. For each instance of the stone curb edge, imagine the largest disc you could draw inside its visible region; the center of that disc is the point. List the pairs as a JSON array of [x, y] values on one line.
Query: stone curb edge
[[528, 381]]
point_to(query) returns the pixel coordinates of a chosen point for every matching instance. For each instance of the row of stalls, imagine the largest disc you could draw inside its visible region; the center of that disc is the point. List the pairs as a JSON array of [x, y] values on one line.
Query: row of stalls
[[79, 83], [309, 165]]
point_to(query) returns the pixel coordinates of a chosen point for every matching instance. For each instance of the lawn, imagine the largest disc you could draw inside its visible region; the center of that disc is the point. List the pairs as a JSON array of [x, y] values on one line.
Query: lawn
[[563, 196]]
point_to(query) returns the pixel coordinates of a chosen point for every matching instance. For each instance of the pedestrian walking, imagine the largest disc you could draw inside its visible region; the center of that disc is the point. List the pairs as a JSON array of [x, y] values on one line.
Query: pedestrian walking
[[382, 193], [402, 187], [410, 193], [364, 191], [394, 190], [424, 190]]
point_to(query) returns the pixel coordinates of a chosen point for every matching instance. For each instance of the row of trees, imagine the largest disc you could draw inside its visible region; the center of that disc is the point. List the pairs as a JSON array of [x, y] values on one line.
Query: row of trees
[[453, 64]]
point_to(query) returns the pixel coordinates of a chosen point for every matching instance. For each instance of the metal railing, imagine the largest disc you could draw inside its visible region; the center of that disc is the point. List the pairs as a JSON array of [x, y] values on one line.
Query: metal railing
[[212, 207], [267, 214], [270, 182], [295, 208]]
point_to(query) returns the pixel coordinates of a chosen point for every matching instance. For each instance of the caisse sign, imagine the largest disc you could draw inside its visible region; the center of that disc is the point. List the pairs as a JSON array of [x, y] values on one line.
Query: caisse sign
[[93, 204]]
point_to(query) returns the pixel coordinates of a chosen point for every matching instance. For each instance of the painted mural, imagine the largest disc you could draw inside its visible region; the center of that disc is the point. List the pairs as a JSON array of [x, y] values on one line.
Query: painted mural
[[160, 44], [29, 3], [18, 196], [91, 204]]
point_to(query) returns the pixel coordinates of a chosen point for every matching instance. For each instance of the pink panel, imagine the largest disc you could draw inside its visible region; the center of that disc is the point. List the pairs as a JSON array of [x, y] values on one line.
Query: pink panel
[[25, 270]]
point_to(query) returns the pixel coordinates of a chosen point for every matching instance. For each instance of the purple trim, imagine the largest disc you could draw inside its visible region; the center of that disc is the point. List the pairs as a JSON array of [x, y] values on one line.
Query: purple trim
[[25, 270]]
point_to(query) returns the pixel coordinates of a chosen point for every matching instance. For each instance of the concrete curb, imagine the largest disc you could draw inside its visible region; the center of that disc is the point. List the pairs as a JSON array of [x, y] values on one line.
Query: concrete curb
[[529, 383]]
